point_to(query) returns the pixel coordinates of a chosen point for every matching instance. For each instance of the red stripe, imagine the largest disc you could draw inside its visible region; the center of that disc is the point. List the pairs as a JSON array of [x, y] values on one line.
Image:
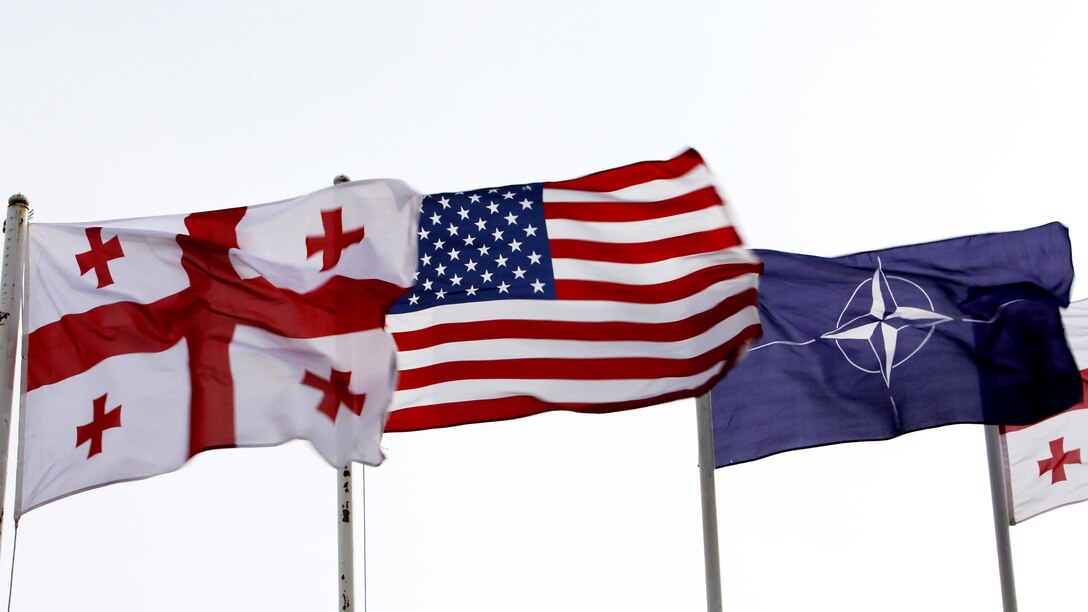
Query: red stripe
[[646, 252], [659, 293], [634, 174], [500, 409], [612, 368], [632, 211], [77, 342], [593, 331]]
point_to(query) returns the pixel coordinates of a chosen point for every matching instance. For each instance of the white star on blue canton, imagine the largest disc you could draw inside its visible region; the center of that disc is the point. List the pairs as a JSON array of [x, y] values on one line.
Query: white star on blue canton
[[442, 276]]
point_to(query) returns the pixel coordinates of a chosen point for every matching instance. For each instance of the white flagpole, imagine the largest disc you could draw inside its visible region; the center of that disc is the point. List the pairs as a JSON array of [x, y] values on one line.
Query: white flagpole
[[999, 500], [712, 566], [11, 275], [345, 543]]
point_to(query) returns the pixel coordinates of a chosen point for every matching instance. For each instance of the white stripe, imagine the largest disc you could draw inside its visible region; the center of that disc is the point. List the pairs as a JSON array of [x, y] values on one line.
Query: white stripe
[[573, 310], [1075, 321], [654, 191], [627, 232], [559, 391], [647, 273], [530, 348]]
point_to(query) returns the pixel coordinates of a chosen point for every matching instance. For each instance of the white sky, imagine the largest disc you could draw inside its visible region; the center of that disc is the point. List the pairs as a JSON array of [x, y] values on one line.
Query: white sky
[[833, 126]]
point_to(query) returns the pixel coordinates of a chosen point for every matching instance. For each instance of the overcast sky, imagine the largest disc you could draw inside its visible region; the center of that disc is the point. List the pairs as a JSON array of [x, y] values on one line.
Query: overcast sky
[[832, 126]]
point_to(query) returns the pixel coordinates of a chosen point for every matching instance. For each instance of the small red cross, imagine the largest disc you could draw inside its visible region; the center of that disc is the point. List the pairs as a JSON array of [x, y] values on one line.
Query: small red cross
[[1058, 459], [98, 258], [336, 393], [100, 422], [334, 241]]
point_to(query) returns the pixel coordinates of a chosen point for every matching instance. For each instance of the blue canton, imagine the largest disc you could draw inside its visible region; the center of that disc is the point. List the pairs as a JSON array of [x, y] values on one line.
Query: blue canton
[[489, 244]]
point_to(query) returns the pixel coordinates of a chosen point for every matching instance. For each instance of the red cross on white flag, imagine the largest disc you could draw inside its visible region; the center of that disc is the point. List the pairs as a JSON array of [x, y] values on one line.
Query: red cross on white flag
[[242, 327], [1044, 462]]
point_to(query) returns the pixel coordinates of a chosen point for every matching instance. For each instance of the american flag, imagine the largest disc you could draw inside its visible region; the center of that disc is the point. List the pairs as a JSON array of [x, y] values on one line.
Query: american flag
[[621, 289]]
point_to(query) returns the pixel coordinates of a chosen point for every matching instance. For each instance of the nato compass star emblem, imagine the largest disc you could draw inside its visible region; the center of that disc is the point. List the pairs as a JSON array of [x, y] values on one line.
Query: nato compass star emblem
[[886, 321]]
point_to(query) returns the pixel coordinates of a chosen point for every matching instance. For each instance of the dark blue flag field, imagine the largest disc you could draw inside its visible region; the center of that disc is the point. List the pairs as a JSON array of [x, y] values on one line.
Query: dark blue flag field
[[873, 345]]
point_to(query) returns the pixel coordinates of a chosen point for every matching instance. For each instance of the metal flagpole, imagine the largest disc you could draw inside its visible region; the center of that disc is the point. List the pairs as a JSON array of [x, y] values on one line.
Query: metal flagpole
[[1001, 517], [345, 522], [11, 275], [345, 540], [710, 504]]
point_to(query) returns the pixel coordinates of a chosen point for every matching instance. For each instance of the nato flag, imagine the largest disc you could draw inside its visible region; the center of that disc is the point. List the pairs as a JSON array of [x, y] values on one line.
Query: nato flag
[[873, 345]]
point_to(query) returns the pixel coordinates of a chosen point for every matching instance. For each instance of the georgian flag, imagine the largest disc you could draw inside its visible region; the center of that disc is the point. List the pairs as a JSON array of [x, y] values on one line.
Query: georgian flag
[[1045, 463], [152, 339]]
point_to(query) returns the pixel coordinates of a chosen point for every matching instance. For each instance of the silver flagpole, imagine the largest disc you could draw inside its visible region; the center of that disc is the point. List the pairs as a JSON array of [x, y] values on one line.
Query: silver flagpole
[[345, 540], [710, 504], [11, 275], [345, 536], [1001, 517]]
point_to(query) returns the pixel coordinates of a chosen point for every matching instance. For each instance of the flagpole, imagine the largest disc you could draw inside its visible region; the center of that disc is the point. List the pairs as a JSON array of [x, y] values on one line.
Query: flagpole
[[998, 498], [704, 416], [345, 540], [345, 536], [11, 275]]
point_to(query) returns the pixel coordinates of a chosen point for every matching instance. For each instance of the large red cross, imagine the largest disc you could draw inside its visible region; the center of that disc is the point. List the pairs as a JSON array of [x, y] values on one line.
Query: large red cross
[[205, 315], [334, 241], [336, 393], [100, 422], [1058, 458], [98, 258]]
